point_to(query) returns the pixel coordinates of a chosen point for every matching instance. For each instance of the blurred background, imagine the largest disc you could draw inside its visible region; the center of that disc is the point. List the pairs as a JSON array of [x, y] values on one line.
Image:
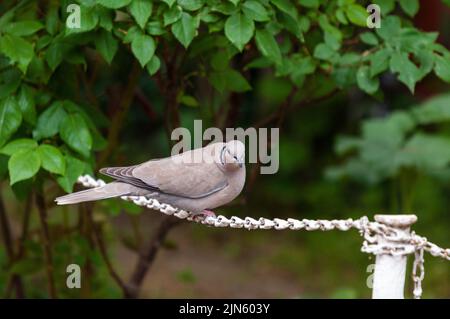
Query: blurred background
[[343, 153]]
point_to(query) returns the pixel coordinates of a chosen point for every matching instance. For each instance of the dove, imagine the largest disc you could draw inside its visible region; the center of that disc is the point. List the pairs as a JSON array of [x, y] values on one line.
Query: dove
[[198, 186]]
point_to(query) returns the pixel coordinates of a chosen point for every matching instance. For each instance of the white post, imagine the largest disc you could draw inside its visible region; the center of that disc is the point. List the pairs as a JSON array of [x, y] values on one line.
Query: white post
[[389, 275]]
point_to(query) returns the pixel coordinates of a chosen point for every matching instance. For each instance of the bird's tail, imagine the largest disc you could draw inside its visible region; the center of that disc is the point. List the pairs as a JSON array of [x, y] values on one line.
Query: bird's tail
[[107, 191]]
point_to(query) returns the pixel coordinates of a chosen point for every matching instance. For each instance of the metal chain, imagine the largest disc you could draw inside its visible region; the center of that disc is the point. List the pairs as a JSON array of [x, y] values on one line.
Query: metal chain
[[401, 242], [418, 272]]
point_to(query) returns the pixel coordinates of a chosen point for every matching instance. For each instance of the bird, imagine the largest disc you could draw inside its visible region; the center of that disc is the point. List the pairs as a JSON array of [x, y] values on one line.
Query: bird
[[197, 181]]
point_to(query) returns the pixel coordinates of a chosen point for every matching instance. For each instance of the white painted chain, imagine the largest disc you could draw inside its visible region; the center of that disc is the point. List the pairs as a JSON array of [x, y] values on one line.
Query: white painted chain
[[401, 243]]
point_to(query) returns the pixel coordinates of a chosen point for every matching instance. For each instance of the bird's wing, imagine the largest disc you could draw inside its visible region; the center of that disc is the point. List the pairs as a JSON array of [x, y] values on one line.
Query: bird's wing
[[193, 180], [124, 174]]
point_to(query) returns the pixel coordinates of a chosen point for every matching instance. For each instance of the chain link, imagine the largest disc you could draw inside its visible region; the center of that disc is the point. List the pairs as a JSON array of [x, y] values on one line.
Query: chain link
[[400, 243], [418, 272]]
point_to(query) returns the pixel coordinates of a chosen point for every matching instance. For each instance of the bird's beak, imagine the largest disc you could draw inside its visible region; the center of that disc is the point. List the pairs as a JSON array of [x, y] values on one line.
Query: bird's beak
[[241, 162]]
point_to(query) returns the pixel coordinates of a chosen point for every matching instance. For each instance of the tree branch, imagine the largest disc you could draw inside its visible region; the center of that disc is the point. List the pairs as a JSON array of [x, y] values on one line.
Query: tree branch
[[6, 230], [103, 251], [40, 202], [148, 254], [119, 116], [16, 280]]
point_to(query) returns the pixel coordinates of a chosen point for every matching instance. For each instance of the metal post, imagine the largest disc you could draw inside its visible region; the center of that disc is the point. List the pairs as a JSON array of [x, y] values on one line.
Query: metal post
[[389, 275]]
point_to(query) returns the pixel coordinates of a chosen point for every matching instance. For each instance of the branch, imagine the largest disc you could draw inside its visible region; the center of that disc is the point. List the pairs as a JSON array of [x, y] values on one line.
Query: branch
[[103, 251], [40, 202], [16, 280], [6, 230], [147, 256], [119, 116], [275, 115], [146, 105]]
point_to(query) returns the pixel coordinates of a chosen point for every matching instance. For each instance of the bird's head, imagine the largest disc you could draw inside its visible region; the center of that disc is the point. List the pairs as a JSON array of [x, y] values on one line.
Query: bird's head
[[232, 155]]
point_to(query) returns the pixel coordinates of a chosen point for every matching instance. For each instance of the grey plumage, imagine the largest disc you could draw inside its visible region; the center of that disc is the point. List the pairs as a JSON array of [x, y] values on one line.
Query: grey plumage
[[196, 180]]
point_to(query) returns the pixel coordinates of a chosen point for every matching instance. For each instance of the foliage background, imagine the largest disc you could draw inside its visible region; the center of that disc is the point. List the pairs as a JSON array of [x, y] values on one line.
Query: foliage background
[[364, 118]]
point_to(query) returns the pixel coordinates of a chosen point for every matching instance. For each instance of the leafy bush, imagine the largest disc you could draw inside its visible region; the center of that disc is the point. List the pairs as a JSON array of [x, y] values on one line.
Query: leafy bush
[[398, 142], [62, 111]]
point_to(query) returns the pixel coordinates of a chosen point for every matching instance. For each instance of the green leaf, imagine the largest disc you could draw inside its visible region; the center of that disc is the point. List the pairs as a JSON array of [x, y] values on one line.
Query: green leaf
[[219, 61], [191, 5], [88, 21], [225, 7], [52, 159], [310, 3], [26, 104], [369, 38], [132, 32], [236, 82], [365, 82], [357, 14], [23, 28], [442, 67], [172, 15], [426, 59], [390, 27], [114, 4], [3, 165], [154, 65], [17, 145], [27, 266], [169, 2], [52, 19], [10, 87], [185, 29], [23, 165], [408, 71], [75, 133], [303, 64], [230, 80], [105, 18], [286, 6], [55, 53], [379, 62], [412, 40], [291, 24], [74, 168], [301, 67], [18, 50], [268, 46], [340, 16], [98, 142], [239, 30], [10, 118], [255, 10], [434, 110], [324, 52], [141, 10], [143, 47], [411, 7], [332, 35], [345, 144], [386, 6], [49, 121], [155, 28], [427, 151], [107, 45], [189, 101]]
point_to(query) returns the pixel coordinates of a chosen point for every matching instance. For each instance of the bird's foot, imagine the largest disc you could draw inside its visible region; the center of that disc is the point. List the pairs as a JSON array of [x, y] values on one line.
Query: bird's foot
[[208, 213], [204, 214]]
